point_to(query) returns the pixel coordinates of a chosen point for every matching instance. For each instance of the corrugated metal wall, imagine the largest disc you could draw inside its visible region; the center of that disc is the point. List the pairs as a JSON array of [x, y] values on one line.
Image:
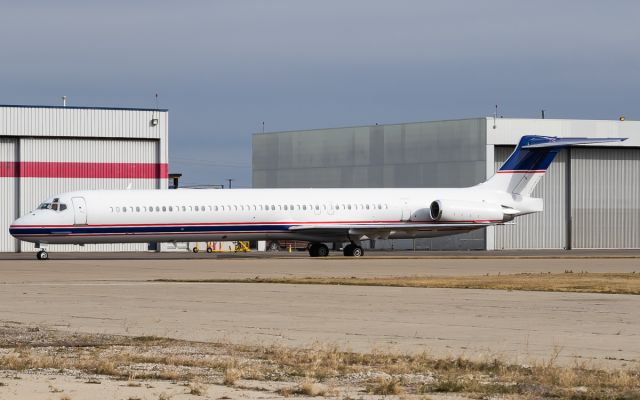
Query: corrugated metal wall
[[8, 193], [605, 198], [82, 122], [545, 230]]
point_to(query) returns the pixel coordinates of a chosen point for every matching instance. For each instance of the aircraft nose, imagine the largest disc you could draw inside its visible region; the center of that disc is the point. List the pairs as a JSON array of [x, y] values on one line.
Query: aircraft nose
[[14, 228]]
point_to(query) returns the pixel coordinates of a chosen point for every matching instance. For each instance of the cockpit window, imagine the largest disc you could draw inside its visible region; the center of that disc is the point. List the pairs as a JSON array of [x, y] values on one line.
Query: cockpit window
[[55, 206]]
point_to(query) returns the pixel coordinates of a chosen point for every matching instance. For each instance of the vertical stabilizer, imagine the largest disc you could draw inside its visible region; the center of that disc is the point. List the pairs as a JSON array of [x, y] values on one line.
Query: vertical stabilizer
[[530, 160]]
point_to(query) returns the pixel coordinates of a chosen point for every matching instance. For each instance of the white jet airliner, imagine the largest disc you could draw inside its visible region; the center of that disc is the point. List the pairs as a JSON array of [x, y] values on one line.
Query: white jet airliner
[[314, 215]]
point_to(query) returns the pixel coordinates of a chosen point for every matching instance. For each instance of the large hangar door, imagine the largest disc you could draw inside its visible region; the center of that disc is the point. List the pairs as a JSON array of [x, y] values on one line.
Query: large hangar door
[[605, 198], [8, 192], [545, 230]]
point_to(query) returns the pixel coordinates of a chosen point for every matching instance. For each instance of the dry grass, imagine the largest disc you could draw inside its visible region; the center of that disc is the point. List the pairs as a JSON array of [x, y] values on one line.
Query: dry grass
[[197, 389], [381, 373], [385, 387], [583, 282], [231, 376]]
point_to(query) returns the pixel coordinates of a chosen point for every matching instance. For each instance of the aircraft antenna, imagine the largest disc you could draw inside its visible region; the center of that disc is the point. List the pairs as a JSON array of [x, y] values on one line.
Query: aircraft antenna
[[495, 115]]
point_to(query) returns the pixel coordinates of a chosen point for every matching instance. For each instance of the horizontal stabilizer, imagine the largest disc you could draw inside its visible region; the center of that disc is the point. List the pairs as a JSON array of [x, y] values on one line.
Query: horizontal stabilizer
[[562, 142]]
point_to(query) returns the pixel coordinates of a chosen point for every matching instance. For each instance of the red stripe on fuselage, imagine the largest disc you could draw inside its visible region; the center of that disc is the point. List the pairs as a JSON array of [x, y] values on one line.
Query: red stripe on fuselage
[[45, 169]]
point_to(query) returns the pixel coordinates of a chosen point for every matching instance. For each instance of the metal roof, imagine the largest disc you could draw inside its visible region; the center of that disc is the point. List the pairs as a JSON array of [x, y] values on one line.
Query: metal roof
[[86, 108]]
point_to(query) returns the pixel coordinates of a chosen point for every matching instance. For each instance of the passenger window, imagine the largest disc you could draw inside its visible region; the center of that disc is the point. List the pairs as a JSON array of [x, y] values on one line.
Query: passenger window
[[157, 208], [137, 209], [124, 209], [117, 209], [367, 206], [150, 209], [170, 208], [111, 209], [379, 207], [216, 208], [184, 208], [273, 208], [203, 208], [196, 208], [349, 206], [286, 207]]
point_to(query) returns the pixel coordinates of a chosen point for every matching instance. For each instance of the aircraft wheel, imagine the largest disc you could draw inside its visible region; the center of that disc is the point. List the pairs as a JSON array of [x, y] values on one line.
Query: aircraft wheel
[[42, 255], [274, 246], [322, 250], [348, 250], [313, 250], [209, 250], [357, 251], [195, 250]]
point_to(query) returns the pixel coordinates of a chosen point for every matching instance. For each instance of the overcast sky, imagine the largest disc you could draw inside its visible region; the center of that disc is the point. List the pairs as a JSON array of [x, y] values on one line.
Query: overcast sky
[[223, 67]]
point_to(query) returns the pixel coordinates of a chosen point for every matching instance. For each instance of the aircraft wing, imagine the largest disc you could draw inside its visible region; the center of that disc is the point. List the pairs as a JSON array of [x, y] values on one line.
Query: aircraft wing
[[382, 231]]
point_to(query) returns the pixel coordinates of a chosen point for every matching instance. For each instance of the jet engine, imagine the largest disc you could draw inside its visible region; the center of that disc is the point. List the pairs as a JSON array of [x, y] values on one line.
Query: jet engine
[[467, 211]]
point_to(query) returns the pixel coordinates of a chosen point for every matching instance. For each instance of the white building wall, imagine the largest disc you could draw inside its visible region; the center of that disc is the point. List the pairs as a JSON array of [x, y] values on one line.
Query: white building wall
[[53, 150], [82, 122]]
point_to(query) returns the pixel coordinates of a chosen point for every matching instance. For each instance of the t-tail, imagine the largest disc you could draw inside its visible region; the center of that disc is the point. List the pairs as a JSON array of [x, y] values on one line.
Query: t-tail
[[527, 164]]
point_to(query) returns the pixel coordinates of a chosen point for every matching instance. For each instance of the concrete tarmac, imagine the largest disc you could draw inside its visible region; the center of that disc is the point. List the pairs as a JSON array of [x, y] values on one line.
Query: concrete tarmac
[[116, 296]]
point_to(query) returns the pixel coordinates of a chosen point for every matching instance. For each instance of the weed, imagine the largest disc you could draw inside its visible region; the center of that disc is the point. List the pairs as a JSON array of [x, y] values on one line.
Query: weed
[[197, 389], [385, 387], [231, 376]]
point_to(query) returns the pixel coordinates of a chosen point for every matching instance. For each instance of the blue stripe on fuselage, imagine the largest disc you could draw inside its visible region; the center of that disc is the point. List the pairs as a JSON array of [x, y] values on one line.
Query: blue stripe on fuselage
[[109, 230]]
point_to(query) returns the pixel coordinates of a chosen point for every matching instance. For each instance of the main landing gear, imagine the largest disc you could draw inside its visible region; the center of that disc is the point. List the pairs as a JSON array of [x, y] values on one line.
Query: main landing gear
[[353, 250], [42, 255], [321, 250], [318, 250]]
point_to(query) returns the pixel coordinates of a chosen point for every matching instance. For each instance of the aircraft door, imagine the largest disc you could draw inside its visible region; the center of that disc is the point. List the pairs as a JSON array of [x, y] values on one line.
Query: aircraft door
[[79, 211], [406, 211]]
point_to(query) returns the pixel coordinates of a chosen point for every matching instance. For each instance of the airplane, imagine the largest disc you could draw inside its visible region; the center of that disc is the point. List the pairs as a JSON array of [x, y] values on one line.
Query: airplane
[[314, 215]]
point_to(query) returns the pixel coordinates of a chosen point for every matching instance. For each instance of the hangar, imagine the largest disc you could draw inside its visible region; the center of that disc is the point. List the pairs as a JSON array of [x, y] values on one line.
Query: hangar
[[591, 194], [46, 150]]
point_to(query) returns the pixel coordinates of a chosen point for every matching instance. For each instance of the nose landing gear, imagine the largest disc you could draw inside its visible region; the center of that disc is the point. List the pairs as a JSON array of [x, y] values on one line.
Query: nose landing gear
[[42, 255]]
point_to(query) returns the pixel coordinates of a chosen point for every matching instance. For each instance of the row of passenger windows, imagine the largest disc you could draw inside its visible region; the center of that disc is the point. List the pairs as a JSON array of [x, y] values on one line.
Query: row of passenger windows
[[247, 207]]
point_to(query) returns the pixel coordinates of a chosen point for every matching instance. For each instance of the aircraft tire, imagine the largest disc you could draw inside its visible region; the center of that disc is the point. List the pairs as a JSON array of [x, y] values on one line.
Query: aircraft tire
[[348, 250], [42, 255], [209, 250], [322, 250], [357, 251], [195, 250]]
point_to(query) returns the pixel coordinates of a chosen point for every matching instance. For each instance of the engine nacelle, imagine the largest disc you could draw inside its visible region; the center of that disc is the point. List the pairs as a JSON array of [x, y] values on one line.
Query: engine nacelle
[[466, 211]]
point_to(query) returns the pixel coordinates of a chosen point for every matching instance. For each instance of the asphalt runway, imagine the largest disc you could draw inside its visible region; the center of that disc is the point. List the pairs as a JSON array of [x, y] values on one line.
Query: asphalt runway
[[117, 296]]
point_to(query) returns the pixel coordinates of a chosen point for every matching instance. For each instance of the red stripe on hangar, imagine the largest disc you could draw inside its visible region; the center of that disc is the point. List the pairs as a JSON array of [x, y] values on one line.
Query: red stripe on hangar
[[44, 169]]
